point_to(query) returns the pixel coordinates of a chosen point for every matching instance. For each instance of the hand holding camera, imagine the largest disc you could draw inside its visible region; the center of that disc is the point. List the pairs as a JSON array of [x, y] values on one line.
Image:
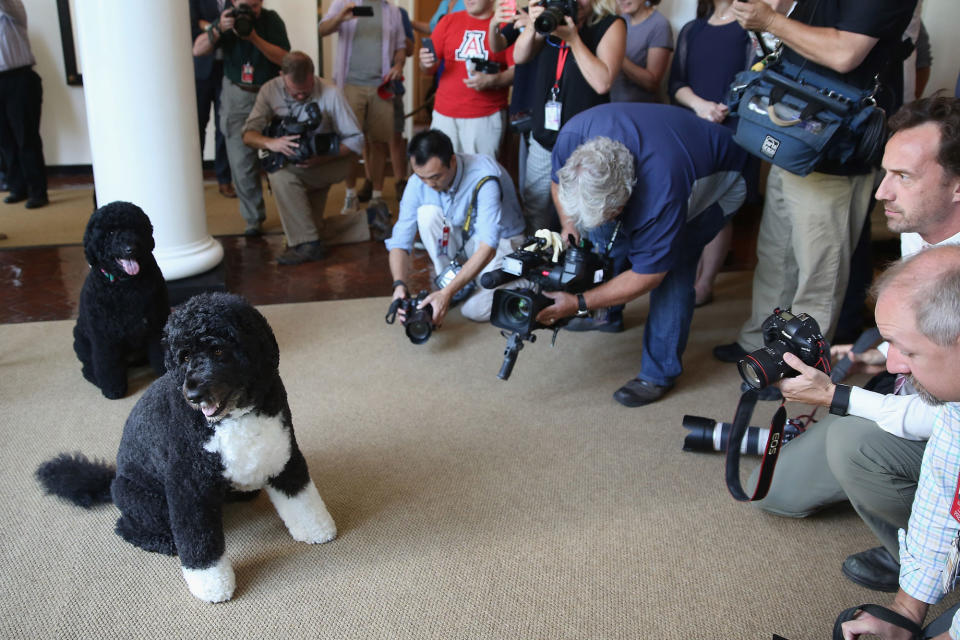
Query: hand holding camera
[[871, 361], [417, 321], [812, 386], [240, 18]]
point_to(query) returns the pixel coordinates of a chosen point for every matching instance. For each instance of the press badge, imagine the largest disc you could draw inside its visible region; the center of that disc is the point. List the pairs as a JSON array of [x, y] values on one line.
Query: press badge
[[246, 73], [551, 115], [953, 563]]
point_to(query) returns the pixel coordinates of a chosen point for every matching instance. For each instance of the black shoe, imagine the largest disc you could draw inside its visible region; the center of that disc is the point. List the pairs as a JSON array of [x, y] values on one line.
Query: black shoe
[[732, 352], [36, 202], [253, 230], [874, 569], [602, 322], [303, 252], [378, 219], [767, 393], [365, 192], [637, 393], [14, 198]]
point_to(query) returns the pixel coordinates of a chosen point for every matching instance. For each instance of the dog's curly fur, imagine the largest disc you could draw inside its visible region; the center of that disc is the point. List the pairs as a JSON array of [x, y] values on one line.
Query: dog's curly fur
[[124, 301], [216, 426]]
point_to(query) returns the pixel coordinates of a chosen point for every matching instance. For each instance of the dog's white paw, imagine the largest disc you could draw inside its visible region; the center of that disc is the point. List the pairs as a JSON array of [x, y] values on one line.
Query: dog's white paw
[[304, 514], [213, 584]]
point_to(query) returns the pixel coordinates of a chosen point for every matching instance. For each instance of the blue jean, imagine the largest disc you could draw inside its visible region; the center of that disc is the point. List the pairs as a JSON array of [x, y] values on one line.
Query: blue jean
[[672, 302]]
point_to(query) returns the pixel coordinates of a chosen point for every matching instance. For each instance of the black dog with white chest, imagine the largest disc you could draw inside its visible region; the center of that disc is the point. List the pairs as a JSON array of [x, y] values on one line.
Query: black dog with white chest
[[124, 301], [215, 427]]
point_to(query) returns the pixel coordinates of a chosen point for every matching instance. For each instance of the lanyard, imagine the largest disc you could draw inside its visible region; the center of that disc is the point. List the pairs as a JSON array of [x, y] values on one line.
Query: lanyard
[[561, 61], [955, 509]]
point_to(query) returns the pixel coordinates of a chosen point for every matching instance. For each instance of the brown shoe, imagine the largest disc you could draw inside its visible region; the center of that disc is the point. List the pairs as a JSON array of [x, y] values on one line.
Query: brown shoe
[[227, 190], [304, 252]]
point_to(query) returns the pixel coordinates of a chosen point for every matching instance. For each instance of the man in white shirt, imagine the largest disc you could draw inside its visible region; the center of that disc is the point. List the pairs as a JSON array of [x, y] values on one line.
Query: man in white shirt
[[870, 449]]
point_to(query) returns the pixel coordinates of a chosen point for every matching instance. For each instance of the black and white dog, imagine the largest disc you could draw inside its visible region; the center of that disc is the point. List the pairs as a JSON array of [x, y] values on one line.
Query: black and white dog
[[124, 302], [214, 428]]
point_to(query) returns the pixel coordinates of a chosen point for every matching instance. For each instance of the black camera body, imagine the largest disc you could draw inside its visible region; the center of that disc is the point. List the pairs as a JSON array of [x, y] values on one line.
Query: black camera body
[[482, 65], [418, 323], [515, 310], [784, 332], [243, 19], [309, 144], [553, 15]]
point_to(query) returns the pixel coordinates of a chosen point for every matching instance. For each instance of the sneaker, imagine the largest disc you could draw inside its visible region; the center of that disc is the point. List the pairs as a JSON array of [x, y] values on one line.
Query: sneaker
[[378, 219], [304, 252], [350, 203], [638, 392], [601, 320], [732, 352], [874, 569], [253, 230], [365, 192]]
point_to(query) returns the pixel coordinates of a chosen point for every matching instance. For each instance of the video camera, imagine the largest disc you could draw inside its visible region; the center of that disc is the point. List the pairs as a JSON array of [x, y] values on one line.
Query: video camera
[[417, 322], [553, 14], [784, 332], [573, 270], [243, 19], [309, 144]]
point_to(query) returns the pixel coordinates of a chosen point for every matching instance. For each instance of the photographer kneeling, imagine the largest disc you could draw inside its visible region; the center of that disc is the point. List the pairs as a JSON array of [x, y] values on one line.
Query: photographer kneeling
[[870, 449], [309, 161], [468, 216], [661, 183]]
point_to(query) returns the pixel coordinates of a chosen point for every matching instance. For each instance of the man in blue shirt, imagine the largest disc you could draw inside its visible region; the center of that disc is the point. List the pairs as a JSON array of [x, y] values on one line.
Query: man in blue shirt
[[446, 194], [664, 182]]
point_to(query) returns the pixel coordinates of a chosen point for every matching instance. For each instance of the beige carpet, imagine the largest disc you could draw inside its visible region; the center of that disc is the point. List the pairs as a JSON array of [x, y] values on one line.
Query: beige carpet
[[468, 507], [65, 218]]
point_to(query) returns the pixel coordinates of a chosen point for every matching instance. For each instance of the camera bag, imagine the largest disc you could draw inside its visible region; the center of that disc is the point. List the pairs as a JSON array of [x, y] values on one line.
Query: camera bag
[[797, 118]]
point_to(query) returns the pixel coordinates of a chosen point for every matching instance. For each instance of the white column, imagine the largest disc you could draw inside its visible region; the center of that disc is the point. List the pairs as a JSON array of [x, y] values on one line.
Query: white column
[[142, 119]]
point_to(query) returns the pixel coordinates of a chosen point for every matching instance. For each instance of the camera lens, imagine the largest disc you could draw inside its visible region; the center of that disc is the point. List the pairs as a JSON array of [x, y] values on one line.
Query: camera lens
[[549, 20], [517, 309], [418, 332], [762, 367]]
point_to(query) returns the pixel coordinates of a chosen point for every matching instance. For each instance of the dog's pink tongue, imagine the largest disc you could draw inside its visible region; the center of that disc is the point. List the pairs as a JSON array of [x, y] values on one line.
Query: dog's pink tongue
[[131, 267], [208, 409]]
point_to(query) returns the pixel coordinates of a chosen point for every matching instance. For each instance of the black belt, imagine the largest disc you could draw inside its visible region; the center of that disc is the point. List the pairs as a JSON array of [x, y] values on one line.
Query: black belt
[[249, 88]]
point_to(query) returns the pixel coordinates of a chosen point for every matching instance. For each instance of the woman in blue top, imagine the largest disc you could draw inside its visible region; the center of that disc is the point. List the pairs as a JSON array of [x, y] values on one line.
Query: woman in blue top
[[711, 50]]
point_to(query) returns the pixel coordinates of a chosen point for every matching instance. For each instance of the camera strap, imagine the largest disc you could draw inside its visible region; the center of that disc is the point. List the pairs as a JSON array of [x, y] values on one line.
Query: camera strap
[[471, 211], [771, 451]]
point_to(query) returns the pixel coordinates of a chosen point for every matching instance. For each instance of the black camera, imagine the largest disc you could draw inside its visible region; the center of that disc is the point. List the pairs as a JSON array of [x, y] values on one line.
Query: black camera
[[418, 323], [784, 332], [308, 144], [575, 270], [709, 435], [553, 14], [243, 18], [482, 65]]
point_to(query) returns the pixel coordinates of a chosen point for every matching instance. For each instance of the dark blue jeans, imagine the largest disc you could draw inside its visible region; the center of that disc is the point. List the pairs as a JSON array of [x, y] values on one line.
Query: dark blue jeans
[[208, 93], [671, 303]]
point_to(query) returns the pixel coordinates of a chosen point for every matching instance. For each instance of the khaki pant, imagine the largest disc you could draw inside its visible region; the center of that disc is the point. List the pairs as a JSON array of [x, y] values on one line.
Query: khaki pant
[[809, 228], [235, 106], [847, 458], [472, 135], [302, 198]]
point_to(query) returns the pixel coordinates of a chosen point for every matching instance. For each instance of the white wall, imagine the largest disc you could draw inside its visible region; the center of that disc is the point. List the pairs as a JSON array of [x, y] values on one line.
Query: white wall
[[64, 122]]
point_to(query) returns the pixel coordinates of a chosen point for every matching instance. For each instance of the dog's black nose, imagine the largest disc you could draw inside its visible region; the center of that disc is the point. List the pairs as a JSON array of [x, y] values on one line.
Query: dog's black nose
[[193, 390]]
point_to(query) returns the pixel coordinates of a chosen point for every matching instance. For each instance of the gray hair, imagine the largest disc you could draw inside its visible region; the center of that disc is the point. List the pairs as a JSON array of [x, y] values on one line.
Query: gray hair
[[596, 181], [930, 283]]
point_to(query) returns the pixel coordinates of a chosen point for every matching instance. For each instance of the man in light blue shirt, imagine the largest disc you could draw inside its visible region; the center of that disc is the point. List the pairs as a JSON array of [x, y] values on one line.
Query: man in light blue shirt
[[917, 313], [451, 202]]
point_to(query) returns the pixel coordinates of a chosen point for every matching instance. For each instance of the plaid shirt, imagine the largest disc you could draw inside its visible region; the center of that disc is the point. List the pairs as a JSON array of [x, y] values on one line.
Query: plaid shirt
[[925, 544]]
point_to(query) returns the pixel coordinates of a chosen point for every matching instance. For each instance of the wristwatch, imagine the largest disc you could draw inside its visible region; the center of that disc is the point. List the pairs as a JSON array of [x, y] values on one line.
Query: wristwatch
[[841, 400], [582, 311]]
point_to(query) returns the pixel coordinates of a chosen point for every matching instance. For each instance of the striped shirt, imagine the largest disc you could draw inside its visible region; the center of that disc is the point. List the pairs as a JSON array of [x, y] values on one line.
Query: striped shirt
[[925, 544], [14, 46]]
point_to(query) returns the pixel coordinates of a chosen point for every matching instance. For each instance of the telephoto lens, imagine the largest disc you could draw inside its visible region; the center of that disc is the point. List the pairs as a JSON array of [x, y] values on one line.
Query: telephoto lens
[[709, 435]]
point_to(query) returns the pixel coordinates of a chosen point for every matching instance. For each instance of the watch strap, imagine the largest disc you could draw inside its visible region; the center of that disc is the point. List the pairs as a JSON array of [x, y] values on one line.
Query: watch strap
[[582, 310], [840, 403]]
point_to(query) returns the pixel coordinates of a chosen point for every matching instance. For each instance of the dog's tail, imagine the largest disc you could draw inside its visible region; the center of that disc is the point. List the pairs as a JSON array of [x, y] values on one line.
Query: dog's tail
[[75, 478]]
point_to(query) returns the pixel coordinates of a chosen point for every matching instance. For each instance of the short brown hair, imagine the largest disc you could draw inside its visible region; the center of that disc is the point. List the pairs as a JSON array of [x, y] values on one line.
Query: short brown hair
[[297, 65], [943, 111]]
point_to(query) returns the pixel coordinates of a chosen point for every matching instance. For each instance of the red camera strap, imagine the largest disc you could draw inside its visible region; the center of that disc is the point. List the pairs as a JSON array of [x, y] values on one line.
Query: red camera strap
[[561, 62]]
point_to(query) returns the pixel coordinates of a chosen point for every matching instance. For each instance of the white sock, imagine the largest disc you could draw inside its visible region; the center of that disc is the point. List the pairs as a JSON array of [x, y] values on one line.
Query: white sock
[[376, 195]]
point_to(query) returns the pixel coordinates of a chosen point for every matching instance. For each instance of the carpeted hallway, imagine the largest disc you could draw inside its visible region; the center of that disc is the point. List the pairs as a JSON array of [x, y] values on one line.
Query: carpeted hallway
[[468, 507]]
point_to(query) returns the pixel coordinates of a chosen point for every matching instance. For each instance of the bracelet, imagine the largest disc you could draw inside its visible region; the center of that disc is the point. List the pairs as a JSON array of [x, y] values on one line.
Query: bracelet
[[399, 283], [841, 400]]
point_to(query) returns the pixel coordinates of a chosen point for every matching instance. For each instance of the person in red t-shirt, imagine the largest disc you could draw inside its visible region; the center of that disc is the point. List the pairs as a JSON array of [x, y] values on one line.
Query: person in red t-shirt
[[472, 92]]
